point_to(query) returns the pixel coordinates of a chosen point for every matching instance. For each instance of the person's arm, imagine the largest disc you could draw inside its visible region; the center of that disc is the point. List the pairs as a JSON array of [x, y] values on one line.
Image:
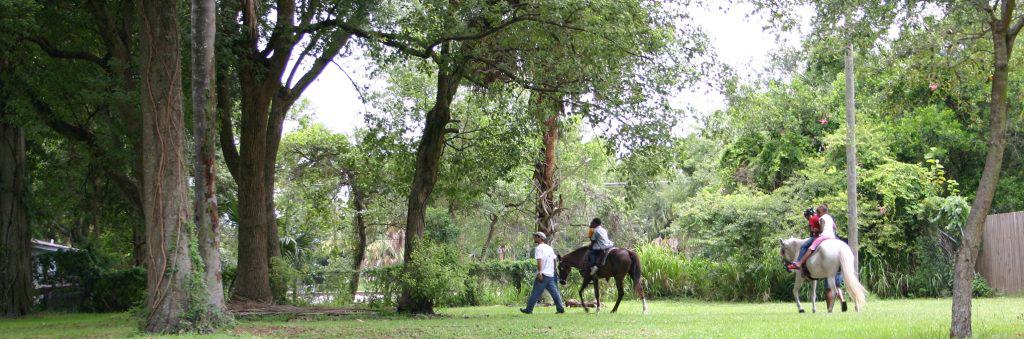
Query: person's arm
[[537, 254]]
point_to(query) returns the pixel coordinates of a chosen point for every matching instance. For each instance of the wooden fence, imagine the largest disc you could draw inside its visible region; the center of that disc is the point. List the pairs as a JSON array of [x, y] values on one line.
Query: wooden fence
[[1001, 260]]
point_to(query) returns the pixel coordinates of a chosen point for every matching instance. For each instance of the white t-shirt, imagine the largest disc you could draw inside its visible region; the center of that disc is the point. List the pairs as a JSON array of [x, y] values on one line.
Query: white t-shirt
[[828, 226], [547, 256]]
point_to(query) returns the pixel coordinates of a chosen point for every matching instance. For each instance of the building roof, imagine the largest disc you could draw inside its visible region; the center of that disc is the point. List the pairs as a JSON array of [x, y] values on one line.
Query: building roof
[[41, 246]]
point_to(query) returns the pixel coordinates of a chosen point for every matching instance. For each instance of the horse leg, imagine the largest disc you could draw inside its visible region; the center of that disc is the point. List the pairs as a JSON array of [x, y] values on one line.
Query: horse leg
[[842, 298], [597, 295], [814, 296], [829, 298], [618, 285], [582, 301], [796, 292]]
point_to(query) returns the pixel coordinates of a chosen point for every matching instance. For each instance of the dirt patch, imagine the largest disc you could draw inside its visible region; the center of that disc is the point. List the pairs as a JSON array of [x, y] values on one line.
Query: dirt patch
[[269, 331], [246, 309]]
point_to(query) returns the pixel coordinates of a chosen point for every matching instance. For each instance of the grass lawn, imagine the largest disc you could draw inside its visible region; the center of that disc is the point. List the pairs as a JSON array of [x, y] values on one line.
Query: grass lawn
[[998, 317]]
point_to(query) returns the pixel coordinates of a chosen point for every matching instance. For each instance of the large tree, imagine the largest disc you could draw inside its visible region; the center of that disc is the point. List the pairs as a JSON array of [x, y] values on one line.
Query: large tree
[[481, 42], [174, 291], [15, 249], [204, 120], [277, 49], [1003, 24], [98, 63]]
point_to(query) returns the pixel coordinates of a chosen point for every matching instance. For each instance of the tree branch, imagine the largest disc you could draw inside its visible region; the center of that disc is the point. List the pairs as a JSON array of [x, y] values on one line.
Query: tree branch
[[58, 53], [334, 47], [77, 133], [481, 34], [227, 134], [388, 39]]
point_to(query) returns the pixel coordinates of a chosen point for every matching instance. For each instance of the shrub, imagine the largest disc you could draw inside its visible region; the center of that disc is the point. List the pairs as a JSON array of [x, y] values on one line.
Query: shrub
[[437, 272], [84, 284], [118, 290]]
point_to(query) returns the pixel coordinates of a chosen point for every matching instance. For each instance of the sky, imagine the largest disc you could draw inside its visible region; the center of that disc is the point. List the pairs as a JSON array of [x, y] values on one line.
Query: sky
[[737, 37]]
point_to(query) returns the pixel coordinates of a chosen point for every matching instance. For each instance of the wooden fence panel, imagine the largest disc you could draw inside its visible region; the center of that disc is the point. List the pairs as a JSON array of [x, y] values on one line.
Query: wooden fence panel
[[1001, 260]]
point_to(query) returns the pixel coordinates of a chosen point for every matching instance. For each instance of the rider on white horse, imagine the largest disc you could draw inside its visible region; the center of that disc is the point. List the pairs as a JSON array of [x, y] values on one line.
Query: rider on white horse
[[828, 231], [814, 227]]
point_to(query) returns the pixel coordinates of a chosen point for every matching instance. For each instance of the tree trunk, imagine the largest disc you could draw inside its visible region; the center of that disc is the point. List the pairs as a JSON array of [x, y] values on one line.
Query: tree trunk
[[359, 203], [165, 201], [204, 135], [15, 239], [970, 244], [265, 100], [428, 159], [851, 156], [255, 195], [548, 109], [278, 111], [490, 235]]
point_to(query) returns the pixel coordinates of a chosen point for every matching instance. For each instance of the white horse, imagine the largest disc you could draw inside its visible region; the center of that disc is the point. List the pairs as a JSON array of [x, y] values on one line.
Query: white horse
[[831, 256]]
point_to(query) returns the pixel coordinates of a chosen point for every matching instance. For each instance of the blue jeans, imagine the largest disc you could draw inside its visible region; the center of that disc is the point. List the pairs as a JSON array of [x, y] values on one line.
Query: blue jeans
[[592, 257], [549, 284], [804, 247]]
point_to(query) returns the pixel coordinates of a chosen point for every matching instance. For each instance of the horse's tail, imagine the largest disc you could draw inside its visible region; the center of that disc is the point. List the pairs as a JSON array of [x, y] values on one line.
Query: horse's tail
[[846, 262], [637, 276]]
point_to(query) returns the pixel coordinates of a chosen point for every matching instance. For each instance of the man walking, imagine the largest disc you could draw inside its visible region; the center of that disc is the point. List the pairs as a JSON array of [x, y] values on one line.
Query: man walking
[[545, 279]]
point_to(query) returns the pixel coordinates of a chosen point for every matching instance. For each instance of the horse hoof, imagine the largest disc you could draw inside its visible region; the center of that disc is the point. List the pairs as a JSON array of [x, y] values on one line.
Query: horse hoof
[[801, 311], [844, 306]]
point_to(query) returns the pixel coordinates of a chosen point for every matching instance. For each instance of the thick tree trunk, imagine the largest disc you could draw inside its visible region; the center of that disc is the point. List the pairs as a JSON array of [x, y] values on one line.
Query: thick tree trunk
[[165, 201], [15, 239], [255, 196], [970, 244], [359, 203], [428, 159], [547, 108], [851, 156], [204, 134]]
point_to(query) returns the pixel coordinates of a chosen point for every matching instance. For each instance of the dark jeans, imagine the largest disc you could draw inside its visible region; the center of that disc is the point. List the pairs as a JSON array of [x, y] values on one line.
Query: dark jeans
[[551, 285], [592, 257]]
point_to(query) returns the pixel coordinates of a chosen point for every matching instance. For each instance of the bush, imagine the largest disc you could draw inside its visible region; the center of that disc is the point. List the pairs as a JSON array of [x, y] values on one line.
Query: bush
[[82, 283], [980, 287], [118, 290], [437, 272]]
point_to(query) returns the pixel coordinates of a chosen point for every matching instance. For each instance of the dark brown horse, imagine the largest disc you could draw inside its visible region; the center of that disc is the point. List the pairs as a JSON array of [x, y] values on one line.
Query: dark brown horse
[[619, 263]]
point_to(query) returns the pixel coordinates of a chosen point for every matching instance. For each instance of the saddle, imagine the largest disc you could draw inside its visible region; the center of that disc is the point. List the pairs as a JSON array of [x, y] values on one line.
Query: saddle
[[604, 256]]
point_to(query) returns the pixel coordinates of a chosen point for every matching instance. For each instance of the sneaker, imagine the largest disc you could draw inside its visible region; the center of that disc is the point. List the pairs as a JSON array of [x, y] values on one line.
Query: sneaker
[[563, 311], [525, 311], [792, 267]]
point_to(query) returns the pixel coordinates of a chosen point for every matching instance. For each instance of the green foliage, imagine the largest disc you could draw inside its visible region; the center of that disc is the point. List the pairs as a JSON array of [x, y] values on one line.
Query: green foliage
[[91, 284], [119, 290], [437, 271]]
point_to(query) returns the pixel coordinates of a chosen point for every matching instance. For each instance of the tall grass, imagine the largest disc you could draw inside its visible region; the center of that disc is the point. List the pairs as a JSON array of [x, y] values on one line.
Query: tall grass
[[670, 274]]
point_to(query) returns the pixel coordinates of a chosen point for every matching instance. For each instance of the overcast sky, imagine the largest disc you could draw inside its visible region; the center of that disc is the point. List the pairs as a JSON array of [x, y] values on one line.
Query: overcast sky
[[736, 36]]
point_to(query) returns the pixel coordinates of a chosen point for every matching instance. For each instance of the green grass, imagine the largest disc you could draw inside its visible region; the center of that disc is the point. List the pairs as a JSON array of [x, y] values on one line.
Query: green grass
[[996, 317]]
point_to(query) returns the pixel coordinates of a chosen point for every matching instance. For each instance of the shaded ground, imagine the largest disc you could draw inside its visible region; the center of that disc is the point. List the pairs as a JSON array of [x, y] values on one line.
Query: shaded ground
[[251, 309], [999, 317]]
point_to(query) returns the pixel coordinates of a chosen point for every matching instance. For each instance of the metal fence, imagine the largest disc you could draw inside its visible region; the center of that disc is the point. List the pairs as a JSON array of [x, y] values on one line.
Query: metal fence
[[1001, 260]]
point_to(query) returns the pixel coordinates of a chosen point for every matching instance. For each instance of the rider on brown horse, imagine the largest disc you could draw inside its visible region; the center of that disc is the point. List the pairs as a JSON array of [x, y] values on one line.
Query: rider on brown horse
[[599, 243]]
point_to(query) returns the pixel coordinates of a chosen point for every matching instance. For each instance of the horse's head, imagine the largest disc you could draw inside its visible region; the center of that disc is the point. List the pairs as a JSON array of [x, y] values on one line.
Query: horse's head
[[563, 270], [790, 248]]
